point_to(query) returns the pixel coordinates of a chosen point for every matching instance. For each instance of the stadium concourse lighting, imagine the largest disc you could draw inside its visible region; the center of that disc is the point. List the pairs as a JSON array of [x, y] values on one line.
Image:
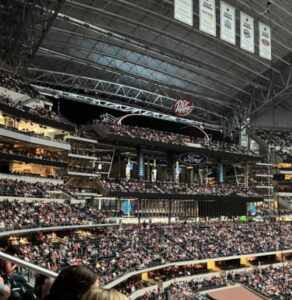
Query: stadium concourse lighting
[[121, 107]]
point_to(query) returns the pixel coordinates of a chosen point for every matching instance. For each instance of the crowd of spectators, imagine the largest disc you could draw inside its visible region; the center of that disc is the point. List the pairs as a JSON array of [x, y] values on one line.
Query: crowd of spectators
[[276, 137], [75, 189], [131, 285], [167, 187], [16, 83], [178, 271], [87, 169], [30, 174], [36, 110], [219, 190], [19, 188], [172, 138], [273, 282], [113, 251], [22, 215], [281, 140], [135, 283], [187, 290], [84, 152], [30, 153], [33, 133]]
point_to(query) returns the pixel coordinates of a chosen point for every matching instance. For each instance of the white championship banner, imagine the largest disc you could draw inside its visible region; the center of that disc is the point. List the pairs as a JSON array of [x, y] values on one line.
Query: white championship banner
[[207, 11], [227, 23], [265, 44], [246, 32], [183, 11]]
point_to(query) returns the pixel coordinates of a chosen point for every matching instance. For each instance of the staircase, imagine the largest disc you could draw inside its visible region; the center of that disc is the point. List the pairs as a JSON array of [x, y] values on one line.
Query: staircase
[[239, 172]]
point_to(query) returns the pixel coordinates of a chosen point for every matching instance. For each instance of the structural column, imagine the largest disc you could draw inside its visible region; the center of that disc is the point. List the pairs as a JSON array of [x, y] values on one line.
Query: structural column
[[246, 176], [169, 210], [148, 170], [191, 175], [220, 173], [128, 168], [154, 171], [119, 163], [171, 168], [141, 167], [176, 171]]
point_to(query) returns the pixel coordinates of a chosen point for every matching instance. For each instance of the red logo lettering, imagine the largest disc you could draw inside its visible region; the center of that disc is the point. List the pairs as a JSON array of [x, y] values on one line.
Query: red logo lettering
[[182, 107]]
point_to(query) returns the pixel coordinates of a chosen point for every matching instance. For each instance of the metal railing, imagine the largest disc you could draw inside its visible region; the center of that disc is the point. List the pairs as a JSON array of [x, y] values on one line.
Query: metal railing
[[27, 265]]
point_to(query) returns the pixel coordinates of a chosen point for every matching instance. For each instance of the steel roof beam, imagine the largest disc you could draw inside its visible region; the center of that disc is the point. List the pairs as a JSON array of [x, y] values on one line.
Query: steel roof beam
[[135, 63], [91, 64], [21, 28], [273, 94], [160, 32], [191, 68], [121, 107], [106, 87], [200, 109], [26, 39], [141, 44], [47, 28], [135, 6], [181, 93]]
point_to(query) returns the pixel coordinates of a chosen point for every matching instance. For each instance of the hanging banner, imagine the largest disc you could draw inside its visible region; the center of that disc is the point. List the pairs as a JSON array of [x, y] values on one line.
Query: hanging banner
[[183, 11], [265, 41], [246, 32], [208, 16], [227, 23]]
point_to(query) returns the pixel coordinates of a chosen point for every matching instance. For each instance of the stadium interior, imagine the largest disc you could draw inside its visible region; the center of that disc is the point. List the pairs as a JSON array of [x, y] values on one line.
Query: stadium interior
[[149, 143]]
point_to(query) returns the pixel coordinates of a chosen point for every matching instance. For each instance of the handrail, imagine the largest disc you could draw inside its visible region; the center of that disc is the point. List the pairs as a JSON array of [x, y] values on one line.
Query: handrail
[[33, 134], [168, 282], [55, 228], [129, 274], [31, 266], [28, 265], [34, 139]]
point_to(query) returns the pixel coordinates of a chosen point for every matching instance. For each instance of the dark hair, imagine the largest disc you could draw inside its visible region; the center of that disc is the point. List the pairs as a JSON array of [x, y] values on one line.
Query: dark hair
[[72, 283], [38, 285]]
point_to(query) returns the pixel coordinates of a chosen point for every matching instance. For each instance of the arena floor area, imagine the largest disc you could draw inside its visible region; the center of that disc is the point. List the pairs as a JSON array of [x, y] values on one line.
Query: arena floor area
[[238, 293]]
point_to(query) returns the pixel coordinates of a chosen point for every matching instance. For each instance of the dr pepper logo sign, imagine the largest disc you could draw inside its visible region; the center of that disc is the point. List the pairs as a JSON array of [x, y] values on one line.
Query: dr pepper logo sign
[[182, 107]]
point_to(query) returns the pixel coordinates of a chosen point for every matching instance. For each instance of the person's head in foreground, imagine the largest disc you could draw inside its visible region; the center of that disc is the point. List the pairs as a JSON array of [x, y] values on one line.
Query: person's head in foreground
[[103, 294], [4, 290], [72, 283]]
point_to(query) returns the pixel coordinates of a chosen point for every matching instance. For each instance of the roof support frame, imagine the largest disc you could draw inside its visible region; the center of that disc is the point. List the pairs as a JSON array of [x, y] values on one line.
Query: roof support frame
[[177, 56], [110, 88], [190, 93], [273, 94], [182, 64], [122, 107], [162, 34], [124, 59]]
